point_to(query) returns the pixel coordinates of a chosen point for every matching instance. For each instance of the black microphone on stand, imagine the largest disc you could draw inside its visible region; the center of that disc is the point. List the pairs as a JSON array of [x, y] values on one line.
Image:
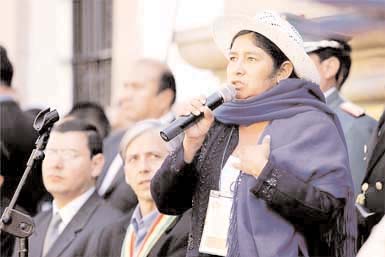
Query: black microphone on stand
[[176, 127]]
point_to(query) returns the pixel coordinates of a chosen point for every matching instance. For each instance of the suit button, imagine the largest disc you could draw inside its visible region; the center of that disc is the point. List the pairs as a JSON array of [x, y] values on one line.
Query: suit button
[[379, 185], [360, 199], [364, 187]]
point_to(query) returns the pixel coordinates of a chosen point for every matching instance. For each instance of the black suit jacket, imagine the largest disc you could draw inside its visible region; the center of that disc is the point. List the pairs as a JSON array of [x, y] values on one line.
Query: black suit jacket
[[375, 175], [18, 136], [119, 194], [74, 238], [109, 240]]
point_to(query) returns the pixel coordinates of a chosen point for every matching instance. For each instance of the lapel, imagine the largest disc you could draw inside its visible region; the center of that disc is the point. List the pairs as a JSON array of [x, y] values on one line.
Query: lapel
[[379, 144], [38, 236], [77, 224]]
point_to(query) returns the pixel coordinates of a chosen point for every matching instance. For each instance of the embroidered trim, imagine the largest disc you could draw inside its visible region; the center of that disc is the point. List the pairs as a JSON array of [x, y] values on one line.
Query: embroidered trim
[[269, 186]]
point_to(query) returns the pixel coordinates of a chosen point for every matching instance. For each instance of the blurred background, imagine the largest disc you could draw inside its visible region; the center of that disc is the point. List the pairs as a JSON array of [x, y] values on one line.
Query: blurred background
[[65, 51]]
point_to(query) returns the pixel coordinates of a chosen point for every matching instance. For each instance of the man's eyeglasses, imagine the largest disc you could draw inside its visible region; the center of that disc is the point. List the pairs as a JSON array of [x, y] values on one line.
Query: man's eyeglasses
[[65, 154]]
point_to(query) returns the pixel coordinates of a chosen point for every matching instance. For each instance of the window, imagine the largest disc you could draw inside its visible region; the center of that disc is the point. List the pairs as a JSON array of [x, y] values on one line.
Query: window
[[92, 41]]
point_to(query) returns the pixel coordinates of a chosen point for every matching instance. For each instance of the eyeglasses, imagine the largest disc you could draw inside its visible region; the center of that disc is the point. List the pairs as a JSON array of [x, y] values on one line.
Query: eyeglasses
[[65, 154]]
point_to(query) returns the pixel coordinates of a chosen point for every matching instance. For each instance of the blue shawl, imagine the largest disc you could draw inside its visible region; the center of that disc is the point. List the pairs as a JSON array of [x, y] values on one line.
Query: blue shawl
[[307, 140]]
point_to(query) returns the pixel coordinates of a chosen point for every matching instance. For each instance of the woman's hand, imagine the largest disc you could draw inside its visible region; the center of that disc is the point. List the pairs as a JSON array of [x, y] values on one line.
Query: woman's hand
[[253, 158], [196, 133]]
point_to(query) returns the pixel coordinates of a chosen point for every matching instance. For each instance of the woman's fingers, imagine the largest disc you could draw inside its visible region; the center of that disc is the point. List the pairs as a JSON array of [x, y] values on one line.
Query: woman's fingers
[[197, 105]]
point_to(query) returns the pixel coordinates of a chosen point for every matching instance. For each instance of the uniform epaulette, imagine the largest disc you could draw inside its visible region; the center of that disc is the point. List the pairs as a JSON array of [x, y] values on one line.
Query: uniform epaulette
[[352, 109]]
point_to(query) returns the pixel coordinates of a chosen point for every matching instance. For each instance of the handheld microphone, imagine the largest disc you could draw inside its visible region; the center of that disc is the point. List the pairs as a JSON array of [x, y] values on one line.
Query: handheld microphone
[[176, 127]]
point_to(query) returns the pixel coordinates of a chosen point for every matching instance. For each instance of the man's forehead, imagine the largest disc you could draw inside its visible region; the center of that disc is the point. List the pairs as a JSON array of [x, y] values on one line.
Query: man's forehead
[[148, 142], [146, 70], [68, 138]]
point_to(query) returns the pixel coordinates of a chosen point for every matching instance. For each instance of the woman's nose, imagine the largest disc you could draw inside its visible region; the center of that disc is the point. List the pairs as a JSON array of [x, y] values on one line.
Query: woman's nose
[[238, 67]]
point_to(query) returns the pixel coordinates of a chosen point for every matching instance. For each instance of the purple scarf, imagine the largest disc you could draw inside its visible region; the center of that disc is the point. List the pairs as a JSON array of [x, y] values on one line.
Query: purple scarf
[[247, 236]]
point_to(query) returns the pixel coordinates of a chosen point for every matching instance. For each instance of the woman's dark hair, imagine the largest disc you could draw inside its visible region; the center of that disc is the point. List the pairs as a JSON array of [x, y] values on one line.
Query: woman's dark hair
[[343, 55], [95, 141], [268, 46]]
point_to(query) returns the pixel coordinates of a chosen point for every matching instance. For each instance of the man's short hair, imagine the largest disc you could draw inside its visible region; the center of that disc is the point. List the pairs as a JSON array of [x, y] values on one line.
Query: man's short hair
[[167, 81], [92, 113], [138, 129], [95, 142], [339, 49], [6, 68]]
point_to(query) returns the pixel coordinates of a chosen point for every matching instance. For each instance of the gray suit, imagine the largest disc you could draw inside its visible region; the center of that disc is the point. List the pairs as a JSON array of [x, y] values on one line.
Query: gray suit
[[74, 238], [357, 132]]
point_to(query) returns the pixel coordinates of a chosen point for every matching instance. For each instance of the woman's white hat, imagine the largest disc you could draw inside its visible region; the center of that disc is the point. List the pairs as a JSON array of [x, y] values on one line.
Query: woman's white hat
[[274, 27]]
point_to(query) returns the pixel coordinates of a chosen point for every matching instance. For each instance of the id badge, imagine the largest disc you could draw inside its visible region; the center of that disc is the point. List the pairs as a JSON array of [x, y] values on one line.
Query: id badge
[[214, 236]]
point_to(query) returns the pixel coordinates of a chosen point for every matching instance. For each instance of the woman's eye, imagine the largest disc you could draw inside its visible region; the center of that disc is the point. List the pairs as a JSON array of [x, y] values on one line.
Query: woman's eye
[[232, 58], [251, 59]]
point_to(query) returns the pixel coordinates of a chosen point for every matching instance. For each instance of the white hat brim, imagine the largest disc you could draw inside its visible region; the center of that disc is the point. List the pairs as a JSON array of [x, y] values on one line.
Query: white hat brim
[[226, 27]]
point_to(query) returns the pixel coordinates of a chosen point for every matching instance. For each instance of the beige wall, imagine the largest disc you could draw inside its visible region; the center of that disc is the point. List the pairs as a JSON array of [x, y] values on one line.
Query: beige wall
[[126, 41], [38, 37]]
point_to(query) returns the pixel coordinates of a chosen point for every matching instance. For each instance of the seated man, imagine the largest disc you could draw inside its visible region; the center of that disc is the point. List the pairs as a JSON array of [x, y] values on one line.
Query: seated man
[[146, 232], [73, 160]]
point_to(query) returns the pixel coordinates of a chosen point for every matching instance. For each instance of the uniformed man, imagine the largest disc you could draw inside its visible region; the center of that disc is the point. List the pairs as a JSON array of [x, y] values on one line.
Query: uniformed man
[[332, 58], [372, 196]]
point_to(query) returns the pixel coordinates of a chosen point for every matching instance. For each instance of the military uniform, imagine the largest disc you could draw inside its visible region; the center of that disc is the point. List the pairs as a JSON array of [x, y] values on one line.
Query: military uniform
[[372, 196], [357, 127]]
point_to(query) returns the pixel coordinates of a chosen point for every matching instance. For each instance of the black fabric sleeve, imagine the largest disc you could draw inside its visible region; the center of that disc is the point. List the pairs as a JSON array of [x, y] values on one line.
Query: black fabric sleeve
[[173, 185], [294, 199]]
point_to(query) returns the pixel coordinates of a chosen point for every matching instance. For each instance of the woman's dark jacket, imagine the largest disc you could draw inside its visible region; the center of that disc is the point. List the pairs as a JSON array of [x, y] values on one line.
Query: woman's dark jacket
[[178, 186]]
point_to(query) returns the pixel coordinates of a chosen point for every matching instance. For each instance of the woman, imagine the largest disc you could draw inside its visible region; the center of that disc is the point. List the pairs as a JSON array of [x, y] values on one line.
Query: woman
[[294, 192]]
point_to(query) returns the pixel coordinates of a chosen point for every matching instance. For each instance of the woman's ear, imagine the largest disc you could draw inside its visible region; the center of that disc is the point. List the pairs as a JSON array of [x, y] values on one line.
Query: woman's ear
[[285, 70]]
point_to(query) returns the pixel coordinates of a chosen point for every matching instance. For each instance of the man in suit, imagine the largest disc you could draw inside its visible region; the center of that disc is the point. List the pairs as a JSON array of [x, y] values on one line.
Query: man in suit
[[332, 58], [145, 232], [73, 160], [18, 137], [149, 92]]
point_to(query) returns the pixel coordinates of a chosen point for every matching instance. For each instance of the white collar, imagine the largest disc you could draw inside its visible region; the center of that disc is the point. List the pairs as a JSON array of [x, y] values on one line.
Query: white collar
[[70, 209], [329, 91]]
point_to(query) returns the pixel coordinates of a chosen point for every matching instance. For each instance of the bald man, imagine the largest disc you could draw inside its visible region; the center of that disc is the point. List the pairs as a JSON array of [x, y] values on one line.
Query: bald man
[[149, 92]]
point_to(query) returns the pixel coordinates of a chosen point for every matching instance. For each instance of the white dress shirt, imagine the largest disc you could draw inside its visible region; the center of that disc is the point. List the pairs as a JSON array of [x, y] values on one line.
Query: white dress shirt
[[69, 210], [115, 166], [329, 91]]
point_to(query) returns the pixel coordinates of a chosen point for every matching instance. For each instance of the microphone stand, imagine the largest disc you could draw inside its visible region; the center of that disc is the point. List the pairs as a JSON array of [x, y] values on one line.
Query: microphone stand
[[15, 222]]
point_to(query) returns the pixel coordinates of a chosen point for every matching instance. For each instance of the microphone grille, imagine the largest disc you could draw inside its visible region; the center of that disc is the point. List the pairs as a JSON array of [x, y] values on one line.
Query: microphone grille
[[228, 92]]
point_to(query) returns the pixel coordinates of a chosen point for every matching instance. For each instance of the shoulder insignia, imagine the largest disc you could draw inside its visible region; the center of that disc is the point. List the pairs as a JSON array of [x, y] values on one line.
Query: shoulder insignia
[[352, 109]]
